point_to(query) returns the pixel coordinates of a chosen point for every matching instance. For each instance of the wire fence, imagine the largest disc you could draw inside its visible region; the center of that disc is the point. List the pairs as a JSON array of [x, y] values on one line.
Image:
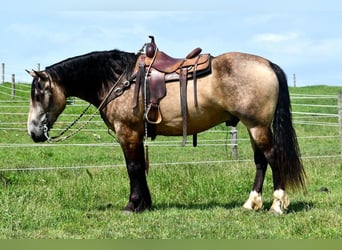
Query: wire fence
[[315, 122]]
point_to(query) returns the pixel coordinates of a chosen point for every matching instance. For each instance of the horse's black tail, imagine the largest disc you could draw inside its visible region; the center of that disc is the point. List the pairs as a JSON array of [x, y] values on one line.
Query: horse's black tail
[[284, 137]]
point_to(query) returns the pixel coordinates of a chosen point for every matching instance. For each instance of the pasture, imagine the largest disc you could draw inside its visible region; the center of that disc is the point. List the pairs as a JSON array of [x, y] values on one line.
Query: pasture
[[77, 188]]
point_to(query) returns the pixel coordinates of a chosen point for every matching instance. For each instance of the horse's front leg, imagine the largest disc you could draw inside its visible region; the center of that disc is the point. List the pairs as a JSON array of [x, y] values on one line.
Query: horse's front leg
[[139, 198]]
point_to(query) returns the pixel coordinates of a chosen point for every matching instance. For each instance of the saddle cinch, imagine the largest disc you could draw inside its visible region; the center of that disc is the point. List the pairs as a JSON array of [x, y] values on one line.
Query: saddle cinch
[[156, 68]]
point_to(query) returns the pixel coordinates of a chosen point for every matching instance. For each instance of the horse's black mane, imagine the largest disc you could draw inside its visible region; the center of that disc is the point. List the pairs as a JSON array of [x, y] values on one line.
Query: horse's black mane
[[92, 68]]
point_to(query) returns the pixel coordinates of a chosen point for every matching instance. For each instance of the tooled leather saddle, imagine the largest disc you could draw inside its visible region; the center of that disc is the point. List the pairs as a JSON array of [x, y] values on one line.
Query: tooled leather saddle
[[155, 68]]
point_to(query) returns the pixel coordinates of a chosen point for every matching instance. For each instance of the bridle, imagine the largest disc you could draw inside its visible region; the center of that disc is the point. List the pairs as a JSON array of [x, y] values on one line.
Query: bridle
[[114, 92]]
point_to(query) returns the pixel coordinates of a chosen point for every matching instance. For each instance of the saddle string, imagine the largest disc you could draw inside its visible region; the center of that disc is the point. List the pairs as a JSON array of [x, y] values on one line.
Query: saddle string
[[59, 137], [147, 162]]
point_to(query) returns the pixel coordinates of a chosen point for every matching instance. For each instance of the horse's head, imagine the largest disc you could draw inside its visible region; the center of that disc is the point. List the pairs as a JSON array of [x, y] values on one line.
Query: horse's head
[[47, 102]]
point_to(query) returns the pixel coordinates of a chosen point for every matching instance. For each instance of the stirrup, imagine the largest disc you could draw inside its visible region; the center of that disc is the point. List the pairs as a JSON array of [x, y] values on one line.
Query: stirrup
[[153, 114]]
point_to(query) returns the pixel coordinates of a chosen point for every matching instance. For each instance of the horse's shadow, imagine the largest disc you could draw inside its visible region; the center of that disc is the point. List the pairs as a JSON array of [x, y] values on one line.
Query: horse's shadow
[[295, 207], [196, 206], [300, 206]]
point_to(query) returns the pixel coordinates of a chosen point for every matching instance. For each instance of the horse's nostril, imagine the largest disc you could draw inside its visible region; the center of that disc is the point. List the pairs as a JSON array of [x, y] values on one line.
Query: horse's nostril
[[33, 136], [37, 138]]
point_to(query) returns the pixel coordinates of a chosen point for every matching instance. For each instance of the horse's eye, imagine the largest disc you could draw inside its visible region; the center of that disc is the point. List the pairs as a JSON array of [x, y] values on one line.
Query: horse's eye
[[39, 94]]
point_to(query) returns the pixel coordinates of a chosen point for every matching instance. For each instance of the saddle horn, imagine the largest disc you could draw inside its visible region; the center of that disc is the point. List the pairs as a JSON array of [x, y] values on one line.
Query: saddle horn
[[151, 48]]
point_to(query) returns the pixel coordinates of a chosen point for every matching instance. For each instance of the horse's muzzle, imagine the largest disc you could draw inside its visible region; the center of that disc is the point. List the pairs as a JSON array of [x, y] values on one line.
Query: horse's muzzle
[[38, 137], [37, 132]]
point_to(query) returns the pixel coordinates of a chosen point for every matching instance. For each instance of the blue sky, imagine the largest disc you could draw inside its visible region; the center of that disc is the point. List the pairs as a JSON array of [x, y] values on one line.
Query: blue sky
[[304, 36]]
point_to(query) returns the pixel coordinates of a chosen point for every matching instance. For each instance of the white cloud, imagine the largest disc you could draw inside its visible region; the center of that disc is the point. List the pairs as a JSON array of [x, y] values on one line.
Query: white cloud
[[275, 37]]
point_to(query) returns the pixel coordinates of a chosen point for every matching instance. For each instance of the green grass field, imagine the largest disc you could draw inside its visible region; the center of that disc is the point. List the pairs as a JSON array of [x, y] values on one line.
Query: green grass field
[[77, 189]]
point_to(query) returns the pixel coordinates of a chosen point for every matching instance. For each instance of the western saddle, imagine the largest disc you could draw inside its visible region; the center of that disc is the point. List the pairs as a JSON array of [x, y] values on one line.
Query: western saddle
[[155, 68]]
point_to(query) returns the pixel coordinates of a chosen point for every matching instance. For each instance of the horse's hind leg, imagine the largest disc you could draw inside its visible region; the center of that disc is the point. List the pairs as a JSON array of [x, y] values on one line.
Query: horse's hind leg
[[280, 198], [264, 152], [254, 201]]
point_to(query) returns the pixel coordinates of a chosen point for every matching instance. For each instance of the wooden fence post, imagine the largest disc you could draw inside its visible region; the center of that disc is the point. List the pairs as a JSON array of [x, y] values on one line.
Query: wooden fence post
[[234, 143], [340, 117], [294, 80], [13, 85], [3, 72]]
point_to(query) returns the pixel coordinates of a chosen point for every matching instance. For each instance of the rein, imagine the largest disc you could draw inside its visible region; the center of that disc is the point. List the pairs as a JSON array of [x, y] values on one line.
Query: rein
[[116, 90]]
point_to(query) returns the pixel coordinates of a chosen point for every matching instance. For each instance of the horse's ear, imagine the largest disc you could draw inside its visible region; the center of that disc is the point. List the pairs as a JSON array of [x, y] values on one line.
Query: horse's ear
[[31, 73], [41, 74]]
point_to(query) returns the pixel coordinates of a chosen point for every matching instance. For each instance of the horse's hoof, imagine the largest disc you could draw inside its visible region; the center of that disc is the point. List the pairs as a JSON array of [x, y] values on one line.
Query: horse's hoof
[[280, 203], [131, 208], [275, 212], [254, 202]]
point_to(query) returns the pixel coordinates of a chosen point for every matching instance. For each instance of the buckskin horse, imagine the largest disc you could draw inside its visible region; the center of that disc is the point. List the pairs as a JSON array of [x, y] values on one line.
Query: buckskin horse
[[239, 87]]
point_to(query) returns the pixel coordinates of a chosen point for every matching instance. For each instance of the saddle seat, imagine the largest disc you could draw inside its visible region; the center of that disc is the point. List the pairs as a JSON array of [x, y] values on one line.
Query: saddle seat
[[167, 64]]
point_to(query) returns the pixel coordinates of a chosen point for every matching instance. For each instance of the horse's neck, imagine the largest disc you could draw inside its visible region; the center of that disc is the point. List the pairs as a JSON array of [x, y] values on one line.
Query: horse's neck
[[93, 95], [94, 91]]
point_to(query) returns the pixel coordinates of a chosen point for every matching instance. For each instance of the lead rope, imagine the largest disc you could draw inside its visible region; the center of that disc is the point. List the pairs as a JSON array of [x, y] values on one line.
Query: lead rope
[[59, 137]]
